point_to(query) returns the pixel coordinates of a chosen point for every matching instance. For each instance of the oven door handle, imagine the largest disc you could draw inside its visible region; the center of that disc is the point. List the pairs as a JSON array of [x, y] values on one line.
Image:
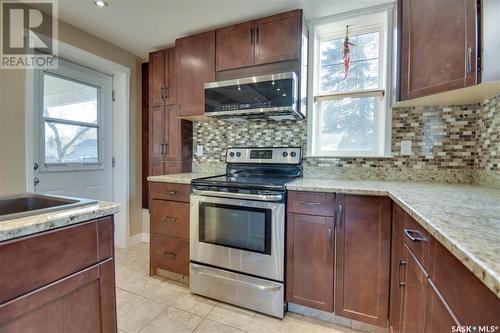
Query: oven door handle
[[257, 197], [256, 286]]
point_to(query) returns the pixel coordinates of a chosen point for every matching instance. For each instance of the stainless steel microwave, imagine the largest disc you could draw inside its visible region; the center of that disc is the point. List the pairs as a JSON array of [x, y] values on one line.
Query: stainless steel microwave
[[273, 96]]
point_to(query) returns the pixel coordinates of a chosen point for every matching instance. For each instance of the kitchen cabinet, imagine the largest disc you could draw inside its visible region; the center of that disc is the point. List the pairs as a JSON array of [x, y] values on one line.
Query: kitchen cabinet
[[263, 41], [162, 78], [396, 289], [169, 227], [310, 258], [439, 46], [195, 67], [363, 258], [438, 317], [67, 276]]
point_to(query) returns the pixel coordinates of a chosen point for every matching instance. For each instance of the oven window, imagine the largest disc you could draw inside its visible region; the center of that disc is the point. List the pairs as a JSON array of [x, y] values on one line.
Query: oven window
[[244, 228]]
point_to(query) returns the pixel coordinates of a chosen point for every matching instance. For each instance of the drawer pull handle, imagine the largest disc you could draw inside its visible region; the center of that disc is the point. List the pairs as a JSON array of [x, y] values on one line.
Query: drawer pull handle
[[330, 237], [401, 264], [415, 236], [170, 192], [168, 218], [310, 203], [169, 254]]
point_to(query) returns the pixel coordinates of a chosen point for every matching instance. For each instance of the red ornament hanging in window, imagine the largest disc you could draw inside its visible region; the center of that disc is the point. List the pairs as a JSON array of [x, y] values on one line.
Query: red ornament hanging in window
[[347, 52]]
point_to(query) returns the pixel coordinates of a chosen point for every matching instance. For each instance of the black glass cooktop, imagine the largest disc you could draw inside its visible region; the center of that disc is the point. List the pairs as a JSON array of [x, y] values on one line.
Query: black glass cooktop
[[242, 181]]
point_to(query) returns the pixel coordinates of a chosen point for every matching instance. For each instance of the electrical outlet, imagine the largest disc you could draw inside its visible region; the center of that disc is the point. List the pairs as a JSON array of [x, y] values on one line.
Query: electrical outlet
[[405, 147], [199, 150]]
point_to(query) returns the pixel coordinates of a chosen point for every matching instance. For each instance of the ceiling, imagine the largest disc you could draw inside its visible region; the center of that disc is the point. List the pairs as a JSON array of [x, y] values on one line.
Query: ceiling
[[142, 26]]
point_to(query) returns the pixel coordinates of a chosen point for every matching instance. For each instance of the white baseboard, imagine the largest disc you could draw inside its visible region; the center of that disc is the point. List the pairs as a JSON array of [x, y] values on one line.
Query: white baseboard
[[145, 237]]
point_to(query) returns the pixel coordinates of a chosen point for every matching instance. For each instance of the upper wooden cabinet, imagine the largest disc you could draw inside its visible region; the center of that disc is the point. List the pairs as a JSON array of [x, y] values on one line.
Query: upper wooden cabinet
[[362, 258], [162, 78], [267, 40], [195, 67], [438, 46]]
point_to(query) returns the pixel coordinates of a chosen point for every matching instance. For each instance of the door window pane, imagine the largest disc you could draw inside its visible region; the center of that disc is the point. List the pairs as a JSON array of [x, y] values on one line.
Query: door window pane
[[69, 100], [241, 228], [70, 143], [348, 124]]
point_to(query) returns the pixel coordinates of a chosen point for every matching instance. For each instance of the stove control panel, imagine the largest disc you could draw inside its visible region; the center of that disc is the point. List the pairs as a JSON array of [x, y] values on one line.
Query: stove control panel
[[288, 155]]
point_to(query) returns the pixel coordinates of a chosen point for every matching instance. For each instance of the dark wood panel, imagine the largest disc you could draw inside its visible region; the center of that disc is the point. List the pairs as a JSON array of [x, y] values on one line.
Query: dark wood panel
[[312, 203], [439, 317], [44, 258], [362, 258], [145, 133], [195, 67], [436, 37], [156, 77], [170, 218], [419, 246], [456, 284], [169, 253], [277, 37], [169, 191], [396, 292], [170, 84], [107, 296], [105, 236], [156, 133], [156, 169], [310, 258], [234, 46], [180, 137], [414, 294]]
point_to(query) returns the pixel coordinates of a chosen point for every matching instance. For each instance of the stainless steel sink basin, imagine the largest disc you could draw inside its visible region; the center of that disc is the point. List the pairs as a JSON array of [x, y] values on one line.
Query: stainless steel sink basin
[[27, 204]]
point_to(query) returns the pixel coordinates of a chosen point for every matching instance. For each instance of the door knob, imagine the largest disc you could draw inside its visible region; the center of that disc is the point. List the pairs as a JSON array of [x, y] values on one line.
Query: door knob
[[36, 181], [35, 166]]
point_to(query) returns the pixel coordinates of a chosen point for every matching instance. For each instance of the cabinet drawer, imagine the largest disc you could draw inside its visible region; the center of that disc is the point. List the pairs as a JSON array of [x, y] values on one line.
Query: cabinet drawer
[[311, 203], [44, 258], [169, 191], [417, 239], [170, 253], [170, 218]]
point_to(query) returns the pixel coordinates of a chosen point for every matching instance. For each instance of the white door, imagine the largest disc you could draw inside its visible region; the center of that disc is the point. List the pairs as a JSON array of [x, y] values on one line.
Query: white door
[[73, 139]]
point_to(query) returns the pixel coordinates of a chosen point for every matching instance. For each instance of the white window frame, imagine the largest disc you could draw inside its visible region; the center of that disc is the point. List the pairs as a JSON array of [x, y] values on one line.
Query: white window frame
[[361, 21], [79, 74]]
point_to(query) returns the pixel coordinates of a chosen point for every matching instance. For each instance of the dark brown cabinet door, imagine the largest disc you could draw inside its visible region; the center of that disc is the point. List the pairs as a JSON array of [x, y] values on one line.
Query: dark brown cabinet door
[[439, 317], [310, 257], [170, 84], [156, 133], [156, 77], [398, 220], [438, 46], [277, 38], [234, 46], [414, 294], [195, 67], [173, 133], [362, 258]]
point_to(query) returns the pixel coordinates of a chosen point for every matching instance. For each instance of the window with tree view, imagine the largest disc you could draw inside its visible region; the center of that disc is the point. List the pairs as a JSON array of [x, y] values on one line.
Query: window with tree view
[[71, 121], [349, 88]]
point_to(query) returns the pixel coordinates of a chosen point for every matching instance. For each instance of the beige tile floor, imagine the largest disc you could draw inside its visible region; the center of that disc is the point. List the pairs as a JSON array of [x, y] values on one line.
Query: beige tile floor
[[156, 305]]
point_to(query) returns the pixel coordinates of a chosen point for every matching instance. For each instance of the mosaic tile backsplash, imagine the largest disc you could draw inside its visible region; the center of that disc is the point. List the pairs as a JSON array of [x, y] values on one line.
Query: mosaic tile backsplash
[[444, 141]]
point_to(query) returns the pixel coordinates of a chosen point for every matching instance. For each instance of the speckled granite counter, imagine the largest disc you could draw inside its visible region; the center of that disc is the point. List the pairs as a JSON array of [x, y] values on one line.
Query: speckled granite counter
[[24, 226], [464, 218], [180, 178]]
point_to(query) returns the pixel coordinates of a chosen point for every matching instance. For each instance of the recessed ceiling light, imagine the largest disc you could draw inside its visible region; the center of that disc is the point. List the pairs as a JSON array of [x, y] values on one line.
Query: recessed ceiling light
[[100, 3]]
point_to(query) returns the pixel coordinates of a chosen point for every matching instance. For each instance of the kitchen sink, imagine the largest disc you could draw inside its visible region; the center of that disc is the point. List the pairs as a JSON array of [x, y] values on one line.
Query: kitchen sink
[[27, 204]]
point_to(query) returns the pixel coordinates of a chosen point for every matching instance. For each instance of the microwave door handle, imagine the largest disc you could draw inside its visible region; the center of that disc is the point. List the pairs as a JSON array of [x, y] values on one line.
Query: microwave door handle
[[257, 197]]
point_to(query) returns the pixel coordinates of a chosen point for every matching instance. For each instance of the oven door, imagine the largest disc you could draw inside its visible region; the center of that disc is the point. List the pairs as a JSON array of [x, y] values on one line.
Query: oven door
[[240, 235]]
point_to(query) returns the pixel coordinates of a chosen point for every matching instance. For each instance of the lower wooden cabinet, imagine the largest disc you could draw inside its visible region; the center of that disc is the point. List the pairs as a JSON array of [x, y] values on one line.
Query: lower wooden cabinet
[[310, 258], [438, 316], [363, 258], [66, 283], [169, 227]]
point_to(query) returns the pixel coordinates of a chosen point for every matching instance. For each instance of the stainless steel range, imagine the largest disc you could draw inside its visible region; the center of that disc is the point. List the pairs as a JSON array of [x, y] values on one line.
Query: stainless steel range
[[237, 229]]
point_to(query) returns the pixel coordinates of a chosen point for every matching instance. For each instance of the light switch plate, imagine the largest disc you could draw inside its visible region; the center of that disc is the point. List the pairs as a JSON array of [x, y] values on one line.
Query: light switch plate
[[405, 147], [199, 150]]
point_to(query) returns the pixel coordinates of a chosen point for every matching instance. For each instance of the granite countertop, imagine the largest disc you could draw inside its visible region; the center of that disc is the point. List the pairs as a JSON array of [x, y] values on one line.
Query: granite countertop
[[181, 178], [29, 225], [464, 218]]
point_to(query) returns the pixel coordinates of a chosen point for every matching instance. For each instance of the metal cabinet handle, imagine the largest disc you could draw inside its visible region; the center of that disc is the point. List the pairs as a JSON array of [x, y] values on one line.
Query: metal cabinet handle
[[339, 216], [401, 264], [310, 203], [168, 218], [251, 36], [162, 96], [469, 60], [170, 254], [170, 192], [165, 94], [414, 235], [330, 237], [161, 149], [256, 35]]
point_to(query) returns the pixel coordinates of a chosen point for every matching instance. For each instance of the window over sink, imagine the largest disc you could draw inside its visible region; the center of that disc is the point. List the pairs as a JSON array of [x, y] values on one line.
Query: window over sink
[[350, 90]]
